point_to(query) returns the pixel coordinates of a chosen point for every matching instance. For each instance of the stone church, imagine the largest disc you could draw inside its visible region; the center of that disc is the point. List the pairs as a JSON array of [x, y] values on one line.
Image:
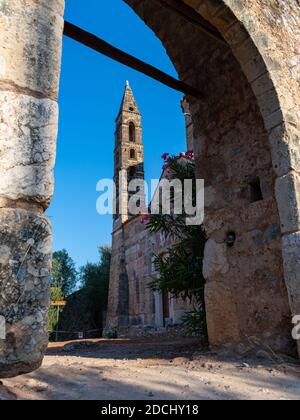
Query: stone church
[[133, 307]]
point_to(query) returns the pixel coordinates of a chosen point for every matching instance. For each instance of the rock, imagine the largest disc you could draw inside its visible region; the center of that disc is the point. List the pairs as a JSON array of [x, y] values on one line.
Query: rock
[[28, 131], [5, 254], [245, 365], [5, 394], [288, 198], [23, 305], [215, 261], [31, 59]]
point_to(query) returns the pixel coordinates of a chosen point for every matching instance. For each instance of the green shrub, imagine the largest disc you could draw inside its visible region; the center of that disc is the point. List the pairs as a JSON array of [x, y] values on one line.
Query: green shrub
[[180, 270], [194, 323]]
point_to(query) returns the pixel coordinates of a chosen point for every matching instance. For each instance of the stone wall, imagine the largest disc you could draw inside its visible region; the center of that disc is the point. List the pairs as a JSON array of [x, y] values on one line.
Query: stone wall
[[138, 264], [133, 306], [130, 302], [30, 55]]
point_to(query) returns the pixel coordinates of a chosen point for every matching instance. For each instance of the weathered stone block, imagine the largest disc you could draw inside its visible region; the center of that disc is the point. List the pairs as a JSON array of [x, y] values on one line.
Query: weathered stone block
[[247, 52], [25, 264], [207, 9], [215, 261], [268, 103], [254, 68], [273, 120], [30, 45], [262, 85], [288, 198], [285, 150], [236, 35], [28, 130], [222, 318], [291, 252], [58, 6]]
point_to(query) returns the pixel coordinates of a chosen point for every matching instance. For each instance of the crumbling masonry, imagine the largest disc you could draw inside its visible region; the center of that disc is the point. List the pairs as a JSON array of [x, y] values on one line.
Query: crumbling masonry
[[247, 150]]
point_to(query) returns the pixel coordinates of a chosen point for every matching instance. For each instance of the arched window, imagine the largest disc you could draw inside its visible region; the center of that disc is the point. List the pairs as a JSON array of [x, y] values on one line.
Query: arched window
[[132, 132], [132, 154]]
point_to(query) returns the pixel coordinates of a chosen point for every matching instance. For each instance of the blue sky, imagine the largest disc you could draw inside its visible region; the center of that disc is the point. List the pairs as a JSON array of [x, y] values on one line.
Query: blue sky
[[91, 90]]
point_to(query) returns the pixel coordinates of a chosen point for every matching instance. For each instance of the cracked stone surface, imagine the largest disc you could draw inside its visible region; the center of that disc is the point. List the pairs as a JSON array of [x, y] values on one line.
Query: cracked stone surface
[[25, 262], [30, 60], [28, 129], [30, 45]]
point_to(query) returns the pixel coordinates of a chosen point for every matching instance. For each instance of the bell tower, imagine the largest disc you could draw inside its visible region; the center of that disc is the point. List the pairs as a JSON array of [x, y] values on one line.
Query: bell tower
[[129, 152]]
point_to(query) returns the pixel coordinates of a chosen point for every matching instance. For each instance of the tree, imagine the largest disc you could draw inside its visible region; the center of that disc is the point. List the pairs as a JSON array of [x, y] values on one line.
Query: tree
[[56, 295], [84, 309], [93, 295], [95, 278], [180, 270], [64, 274]]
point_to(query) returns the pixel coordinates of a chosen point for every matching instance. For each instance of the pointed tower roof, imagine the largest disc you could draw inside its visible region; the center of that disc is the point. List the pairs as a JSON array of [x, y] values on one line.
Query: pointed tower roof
[[128, 103]]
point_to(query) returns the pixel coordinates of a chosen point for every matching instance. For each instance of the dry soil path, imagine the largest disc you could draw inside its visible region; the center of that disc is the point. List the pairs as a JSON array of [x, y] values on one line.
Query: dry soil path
[[151, 370]]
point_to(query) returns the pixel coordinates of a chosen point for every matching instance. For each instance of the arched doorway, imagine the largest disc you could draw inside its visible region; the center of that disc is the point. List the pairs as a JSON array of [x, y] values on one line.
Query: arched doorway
[[246, 127]]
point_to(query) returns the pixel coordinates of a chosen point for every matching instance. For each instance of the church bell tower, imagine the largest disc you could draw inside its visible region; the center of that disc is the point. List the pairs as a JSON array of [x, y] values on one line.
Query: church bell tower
[[129, 153]]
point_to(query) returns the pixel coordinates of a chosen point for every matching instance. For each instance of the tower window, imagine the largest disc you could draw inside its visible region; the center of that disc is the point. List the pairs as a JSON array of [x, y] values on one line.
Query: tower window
[[256, 191], [131, 172], [132, 154], [131, 132]]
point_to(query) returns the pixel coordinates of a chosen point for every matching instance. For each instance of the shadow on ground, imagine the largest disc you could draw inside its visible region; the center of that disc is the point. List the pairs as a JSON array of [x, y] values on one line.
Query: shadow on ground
[[155, 369], [131, 349]]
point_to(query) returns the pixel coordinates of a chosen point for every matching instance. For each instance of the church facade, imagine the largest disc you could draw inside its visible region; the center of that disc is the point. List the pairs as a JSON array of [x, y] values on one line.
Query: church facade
[[133, 307]]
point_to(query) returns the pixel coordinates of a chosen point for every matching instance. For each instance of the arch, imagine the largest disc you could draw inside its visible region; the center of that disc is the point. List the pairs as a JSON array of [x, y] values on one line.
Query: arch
[[132, 132], [245, 73]]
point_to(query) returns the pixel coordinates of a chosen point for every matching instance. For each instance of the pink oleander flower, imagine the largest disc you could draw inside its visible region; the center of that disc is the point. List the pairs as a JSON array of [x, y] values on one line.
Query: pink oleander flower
[[165, 156], [189, 154]]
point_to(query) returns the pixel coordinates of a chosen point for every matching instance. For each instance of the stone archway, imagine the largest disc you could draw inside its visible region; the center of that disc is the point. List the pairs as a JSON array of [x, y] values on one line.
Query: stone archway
[[247, 133], [247, 129]]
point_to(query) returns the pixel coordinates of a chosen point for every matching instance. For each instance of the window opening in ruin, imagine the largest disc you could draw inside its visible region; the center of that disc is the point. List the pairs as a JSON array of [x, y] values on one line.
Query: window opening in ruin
[[230, 240], [255, 191]]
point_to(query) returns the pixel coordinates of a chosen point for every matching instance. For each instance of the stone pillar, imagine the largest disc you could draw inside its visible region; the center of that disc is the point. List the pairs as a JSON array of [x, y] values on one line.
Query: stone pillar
[[288, 198], [30, 57], [159, 315]]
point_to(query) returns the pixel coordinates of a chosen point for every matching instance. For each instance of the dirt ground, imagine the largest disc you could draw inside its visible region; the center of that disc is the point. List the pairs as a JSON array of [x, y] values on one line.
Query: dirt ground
[[154, 369]]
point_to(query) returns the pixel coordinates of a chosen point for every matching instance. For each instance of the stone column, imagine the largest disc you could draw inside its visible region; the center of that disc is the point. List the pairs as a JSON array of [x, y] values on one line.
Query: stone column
[[159, 315], [30, 58]]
